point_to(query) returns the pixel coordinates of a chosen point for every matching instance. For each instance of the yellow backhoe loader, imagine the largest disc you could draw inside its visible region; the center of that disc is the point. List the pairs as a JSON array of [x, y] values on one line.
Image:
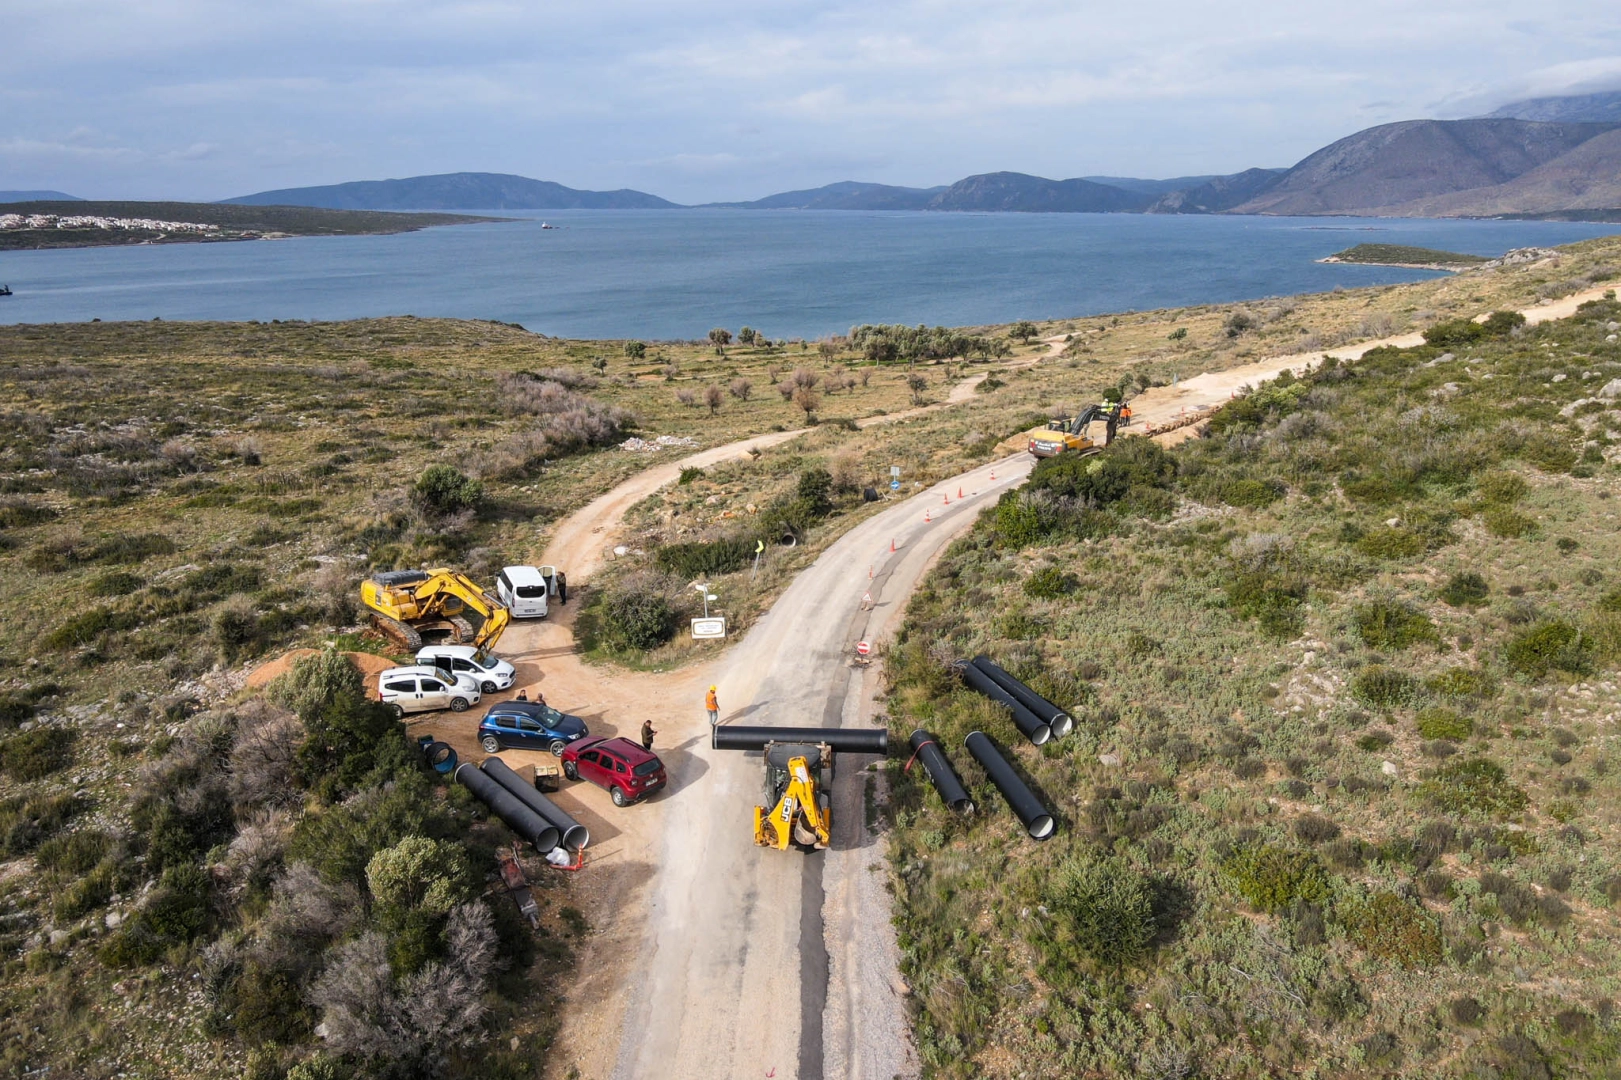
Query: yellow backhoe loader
[[417, 607], [800, 813]]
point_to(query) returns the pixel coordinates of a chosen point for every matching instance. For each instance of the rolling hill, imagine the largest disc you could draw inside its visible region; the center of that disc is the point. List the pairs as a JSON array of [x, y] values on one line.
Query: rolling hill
[[1604, 108], [455, 191], [1011, 191], [37, 196], [844, 195]]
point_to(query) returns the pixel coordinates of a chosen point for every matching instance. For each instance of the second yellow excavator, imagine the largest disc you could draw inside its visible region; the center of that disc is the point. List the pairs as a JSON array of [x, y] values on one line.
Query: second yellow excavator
[[417, 607]]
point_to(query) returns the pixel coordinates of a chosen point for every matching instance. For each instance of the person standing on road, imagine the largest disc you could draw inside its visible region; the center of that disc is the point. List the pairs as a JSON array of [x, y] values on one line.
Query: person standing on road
[[647, 735], [562, 588], [712, 703]]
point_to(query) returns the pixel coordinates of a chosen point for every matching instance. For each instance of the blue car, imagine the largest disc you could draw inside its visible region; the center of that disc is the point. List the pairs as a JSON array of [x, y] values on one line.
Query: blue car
[[528, 725]]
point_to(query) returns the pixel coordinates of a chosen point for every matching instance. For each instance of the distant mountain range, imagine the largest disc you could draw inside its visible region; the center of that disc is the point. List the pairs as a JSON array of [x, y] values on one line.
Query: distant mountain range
[[456, 191], [37, 196], [1543, 157]]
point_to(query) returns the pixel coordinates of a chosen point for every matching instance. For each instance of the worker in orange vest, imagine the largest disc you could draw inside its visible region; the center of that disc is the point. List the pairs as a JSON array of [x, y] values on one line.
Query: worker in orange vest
[[712, 703]]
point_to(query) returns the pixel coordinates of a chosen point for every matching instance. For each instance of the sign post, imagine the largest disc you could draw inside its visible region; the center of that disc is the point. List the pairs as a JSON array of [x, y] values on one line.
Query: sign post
[[759, 546]]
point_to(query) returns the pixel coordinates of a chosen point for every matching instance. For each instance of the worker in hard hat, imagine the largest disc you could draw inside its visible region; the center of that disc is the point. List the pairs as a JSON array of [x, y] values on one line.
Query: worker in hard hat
[[712, 703]]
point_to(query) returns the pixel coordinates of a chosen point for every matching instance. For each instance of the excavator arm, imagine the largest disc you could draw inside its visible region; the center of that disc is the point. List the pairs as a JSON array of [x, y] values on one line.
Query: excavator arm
[[435, 595], [801, 815], [400, 598]]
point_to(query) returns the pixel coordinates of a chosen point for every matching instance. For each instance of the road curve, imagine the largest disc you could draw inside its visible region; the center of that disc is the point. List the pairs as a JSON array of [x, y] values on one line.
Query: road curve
[[733, 973]]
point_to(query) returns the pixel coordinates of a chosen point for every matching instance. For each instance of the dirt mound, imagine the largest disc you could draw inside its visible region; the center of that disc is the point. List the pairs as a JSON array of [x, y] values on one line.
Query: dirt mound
[[369, 666]]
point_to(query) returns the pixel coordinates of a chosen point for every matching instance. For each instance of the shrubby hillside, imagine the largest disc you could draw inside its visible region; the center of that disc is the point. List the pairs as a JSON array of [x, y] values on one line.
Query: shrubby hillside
[[1343, 798]]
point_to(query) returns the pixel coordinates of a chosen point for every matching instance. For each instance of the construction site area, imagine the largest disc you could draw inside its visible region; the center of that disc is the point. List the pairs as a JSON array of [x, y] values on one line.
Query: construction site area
[[652, 695]]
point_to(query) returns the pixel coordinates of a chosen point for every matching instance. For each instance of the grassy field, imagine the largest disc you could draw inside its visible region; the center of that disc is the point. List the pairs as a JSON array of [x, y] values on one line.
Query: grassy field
[[235, 223], [1343, 798], [179, 501]]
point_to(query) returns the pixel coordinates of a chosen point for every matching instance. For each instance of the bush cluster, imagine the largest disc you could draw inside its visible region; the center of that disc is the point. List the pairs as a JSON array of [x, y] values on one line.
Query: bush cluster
[[1444, 724], [1102, 909], [1394, 929], [1388, 625], [1476, 785], [1548, 646], [1272, 878]]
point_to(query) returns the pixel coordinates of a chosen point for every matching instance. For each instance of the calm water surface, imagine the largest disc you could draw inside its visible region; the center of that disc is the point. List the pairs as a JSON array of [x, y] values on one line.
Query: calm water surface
[[663, 274]]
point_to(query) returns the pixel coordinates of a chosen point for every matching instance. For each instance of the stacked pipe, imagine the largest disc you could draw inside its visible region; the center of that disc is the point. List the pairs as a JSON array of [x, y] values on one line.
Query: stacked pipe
[[926, 748], [1056, 719], [1029, 724], [574, 836], [842, 740], [519, 817], [1020, 799]]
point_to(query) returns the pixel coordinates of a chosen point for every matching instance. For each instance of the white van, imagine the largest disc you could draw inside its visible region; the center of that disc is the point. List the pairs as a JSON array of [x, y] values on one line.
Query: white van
[[424, 689], [492, 673], [524, 589]]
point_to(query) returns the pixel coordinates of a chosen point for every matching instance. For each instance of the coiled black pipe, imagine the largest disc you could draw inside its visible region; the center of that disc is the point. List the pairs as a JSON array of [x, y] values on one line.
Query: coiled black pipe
[[1059, 721], [509, 808], [573, 835], [927, 750], [1037, 821], [1029, 724], [843, 740]]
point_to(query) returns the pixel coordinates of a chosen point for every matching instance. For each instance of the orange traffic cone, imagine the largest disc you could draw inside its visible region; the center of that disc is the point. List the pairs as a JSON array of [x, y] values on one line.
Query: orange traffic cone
[[993, 474], [892, 545], [959, 492], [946, 498], [925, 517]]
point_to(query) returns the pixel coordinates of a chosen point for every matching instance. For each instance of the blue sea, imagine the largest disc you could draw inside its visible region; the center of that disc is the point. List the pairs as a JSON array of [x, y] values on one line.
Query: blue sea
[[672, 274]]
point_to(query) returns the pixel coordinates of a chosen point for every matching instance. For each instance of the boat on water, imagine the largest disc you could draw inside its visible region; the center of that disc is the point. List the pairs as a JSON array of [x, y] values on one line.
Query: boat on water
[[5, 290], [547, 225]]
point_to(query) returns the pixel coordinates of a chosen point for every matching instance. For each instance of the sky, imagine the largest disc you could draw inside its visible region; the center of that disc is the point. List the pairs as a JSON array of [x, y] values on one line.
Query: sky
[[724, 99]]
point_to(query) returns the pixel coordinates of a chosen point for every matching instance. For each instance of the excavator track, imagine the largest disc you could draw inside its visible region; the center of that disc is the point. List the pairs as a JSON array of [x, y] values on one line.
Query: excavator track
[[399, 633]]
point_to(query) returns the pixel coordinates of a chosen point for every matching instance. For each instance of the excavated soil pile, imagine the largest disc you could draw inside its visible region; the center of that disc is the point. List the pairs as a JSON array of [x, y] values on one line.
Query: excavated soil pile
[[369, 666]]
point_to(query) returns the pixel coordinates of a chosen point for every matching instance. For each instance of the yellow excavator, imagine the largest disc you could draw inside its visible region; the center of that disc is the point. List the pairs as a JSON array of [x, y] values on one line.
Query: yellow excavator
[[800, 814], [414, 607], [1062, 436]]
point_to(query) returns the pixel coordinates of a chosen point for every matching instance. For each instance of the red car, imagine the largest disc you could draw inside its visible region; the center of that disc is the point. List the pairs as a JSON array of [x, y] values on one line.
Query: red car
[[621, 766]]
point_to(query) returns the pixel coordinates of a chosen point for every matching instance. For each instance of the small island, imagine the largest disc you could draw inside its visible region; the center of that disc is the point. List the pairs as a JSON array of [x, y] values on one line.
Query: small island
[[35, 225], [1403, 255]]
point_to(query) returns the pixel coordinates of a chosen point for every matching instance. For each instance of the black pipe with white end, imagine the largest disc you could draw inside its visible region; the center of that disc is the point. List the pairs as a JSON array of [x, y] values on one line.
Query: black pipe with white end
[[574, 836], [842, 740], [926, 749], [1059, 721], [1023, 802], [520, 818], [1029, 724]]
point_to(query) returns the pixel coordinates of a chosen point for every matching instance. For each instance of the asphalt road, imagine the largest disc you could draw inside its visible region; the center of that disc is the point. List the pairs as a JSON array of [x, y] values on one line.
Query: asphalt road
[[736, 974]]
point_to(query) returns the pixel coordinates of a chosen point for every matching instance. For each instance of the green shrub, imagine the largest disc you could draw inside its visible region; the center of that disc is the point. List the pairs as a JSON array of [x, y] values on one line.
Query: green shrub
[[445, 489], [18, 515], [1274, 601], [1394, 929], [1102, 909], [1610, 601], [1461, 682], [1388, 542], [1501, 488], [1454, 334], [1506, 524], [1253, 494], [1273, 878], [115, 583], [31, 755], [1444, 724], [73, 853], [177, 912], [1548, 646], [1503, 323], [700, 559], [1476, 785], [1386, 625], [25, 823], [1384, 688], [90, 624], [1550, 453], [266, 1006], [346, 735], [636, 614], [1050, 583], [1465, 589]]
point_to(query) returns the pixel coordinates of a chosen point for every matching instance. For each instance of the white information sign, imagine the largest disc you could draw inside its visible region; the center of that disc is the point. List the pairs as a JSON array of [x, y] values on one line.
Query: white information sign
[[708, 628]]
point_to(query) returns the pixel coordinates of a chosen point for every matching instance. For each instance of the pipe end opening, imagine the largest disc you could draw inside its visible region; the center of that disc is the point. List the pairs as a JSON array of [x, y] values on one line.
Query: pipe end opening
[[965, 807], [1062, 725], [1041, 734], [1041, 827]]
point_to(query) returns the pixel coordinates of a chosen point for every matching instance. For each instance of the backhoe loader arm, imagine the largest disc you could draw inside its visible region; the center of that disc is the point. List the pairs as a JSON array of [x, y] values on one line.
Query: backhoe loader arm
[[800, 816], [431, 595]]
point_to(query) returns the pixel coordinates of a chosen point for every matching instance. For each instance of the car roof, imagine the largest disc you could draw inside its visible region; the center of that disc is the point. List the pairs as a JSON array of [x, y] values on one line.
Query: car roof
[[532, 709], [464, 651], [624, 748], [418, 669], [525, 574]]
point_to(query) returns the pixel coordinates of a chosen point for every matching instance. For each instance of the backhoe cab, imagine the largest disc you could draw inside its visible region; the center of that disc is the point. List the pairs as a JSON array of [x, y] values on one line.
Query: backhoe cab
[[799, 813], [1064, 436], [413, 607]]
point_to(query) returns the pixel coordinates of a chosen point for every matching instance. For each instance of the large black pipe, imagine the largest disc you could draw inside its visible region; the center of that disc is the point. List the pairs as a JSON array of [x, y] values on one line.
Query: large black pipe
[[1057, 719], [1029, 724], [509, 808], [843, 740], [1037, 822], [927, 750], [574, 835]]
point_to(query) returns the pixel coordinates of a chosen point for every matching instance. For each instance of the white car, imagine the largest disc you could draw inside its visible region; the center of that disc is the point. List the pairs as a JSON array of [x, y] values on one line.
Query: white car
[[424, 689], [491, 672], [525, 590]]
